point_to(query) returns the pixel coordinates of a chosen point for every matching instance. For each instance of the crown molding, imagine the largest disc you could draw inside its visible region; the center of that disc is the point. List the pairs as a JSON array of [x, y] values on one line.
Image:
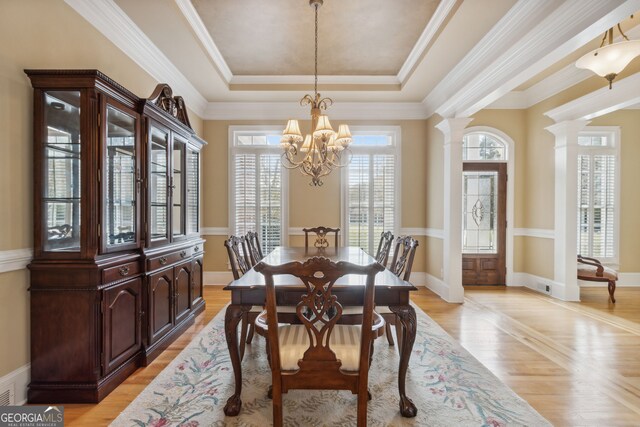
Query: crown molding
[[433, 26], [529, 38], [115, 25], [292, 110], [519, 20], [308, 79], [201, 32], [552, 85], [624, 93]]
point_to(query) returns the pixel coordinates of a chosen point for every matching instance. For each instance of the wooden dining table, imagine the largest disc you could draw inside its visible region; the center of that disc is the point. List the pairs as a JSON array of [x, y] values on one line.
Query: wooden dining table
[[390, 291]]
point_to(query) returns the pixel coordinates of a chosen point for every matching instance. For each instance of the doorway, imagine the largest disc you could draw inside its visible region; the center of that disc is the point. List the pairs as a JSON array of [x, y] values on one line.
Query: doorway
[[484, 223]]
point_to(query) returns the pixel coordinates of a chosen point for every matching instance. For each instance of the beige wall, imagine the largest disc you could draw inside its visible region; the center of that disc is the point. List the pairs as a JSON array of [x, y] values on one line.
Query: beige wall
[[63, 40], [308, 205]]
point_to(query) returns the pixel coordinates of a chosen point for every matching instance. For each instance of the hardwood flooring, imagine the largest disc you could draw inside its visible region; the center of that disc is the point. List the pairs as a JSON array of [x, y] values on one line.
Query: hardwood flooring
[[578, 364]]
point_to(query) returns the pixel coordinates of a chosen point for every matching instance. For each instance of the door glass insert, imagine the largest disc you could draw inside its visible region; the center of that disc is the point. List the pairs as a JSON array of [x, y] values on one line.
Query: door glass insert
[[159, 183], [61, 175], [177, 186], [120, 171], [480, 204]]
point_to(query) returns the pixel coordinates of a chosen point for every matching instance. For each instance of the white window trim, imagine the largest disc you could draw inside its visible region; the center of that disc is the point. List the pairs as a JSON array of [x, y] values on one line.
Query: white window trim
[[613, 132], [395, 132], [256, 149]]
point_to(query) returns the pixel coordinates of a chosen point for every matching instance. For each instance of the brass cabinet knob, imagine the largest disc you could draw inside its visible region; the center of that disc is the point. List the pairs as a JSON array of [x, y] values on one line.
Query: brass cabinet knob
[[163, 260], [124, 270], [183, 254]]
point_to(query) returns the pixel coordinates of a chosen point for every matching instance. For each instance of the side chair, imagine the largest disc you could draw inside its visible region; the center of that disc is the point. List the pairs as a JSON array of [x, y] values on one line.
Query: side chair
[[319, 353], [401, 264], [240, 262], [321, 236], [384, 247]]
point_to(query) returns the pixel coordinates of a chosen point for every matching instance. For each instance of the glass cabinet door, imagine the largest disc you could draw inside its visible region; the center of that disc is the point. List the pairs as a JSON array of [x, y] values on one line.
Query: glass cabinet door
[[159, 183], [121, 178], [61, 172], [193, 190], [177, 185]]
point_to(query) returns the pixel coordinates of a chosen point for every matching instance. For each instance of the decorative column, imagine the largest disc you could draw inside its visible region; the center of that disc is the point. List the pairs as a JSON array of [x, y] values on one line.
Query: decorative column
[[453, 130], [565, 207]]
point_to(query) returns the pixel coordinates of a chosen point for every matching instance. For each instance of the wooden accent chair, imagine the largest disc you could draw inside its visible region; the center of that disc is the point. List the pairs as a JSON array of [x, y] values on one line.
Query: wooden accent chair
[[319, 353], [401, 264], [255, 250], [240, 261], [384, 247], [321, 236], [592, 270]]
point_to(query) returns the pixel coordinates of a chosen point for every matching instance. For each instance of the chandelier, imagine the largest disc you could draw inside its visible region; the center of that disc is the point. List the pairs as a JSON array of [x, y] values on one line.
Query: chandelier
[[609, 60], [317, 154]]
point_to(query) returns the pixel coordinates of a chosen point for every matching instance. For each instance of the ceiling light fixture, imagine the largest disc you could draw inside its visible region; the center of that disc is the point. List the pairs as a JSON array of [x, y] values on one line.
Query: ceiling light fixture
[[323, 150], [607, 61]]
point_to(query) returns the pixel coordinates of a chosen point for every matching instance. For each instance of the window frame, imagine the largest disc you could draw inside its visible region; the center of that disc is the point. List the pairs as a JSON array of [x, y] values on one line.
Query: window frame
[[395, 148], [234, 149], [613, 148]]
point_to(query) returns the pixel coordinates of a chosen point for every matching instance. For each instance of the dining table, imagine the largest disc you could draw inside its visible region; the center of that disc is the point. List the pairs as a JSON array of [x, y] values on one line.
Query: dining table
[[390, 291]]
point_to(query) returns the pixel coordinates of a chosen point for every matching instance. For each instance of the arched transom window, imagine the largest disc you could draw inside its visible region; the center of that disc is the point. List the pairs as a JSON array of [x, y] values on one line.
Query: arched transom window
[[480, 146]]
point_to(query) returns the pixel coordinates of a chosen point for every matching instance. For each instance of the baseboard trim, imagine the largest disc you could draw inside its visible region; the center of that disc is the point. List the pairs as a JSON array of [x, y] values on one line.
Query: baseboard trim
[[217, 277], [631, 280], [16, 259], [539, 284], [18, 380]]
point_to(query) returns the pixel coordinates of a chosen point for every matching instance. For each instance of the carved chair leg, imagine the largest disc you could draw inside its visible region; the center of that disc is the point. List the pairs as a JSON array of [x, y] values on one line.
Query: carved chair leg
[[387, 331], [250, 334], [612, 290]]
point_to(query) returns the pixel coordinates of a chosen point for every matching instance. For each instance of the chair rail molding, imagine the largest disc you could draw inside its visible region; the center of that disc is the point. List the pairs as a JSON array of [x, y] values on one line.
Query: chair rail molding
[[16, 259], [541, 233], [214, 231]]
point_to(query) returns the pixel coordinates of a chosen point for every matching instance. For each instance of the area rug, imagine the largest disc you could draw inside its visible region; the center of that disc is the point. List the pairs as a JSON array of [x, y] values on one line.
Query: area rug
[[448, 385]]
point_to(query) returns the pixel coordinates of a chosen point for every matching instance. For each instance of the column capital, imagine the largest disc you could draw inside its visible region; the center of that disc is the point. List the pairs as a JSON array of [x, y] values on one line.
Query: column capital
[[453, 128], [567, 127]]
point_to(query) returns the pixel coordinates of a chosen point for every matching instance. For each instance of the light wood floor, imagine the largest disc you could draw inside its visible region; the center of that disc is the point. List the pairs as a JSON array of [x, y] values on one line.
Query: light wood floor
[[578, 364]]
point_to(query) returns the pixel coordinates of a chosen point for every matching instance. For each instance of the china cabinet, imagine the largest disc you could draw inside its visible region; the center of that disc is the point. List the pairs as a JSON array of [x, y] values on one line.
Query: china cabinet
[[117, 267]]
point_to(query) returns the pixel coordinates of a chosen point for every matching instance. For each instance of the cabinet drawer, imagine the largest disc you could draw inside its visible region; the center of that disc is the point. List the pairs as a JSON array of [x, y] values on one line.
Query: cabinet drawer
[[120, 272], [168, 259]]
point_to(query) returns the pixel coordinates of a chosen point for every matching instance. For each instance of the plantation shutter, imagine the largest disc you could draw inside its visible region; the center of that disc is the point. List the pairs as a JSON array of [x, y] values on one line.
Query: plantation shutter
[[258, 197], [596, 205], [371, 199]]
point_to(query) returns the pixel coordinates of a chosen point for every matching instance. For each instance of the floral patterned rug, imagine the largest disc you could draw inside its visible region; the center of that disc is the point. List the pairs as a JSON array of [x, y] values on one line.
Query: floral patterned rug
[[448, 385]]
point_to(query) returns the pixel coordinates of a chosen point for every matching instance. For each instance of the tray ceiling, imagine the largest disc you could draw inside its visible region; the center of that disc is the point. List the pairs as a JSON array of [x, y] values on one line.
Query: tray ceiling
[[276, 37]]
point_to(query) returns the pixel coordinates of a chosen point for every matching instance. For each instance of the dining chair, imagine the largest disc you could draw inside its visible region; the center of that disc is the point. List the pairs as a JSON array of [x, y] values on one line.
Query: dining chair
[[401, 264], [384, 247], [255, 250], [321, 236], [319, 353], [240, 262]]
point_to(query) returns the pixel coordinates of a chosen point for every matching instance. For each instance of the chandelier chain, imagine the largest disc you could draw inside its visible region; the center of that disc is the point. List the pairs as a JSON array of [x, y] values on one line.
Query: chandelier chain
[[315, 84]]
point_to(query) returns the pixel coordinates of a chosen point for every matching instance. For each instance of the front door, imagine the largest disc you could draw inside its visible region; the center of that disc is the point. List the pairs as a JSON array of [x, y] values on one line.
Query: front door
[[484, 223]]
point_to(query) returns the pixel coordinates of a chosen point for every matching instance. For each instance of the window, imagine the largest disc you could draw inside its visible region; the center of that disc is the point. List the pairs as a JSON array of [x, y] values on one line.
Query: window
[[258, 185], [371, 195], [598, 213], [480, 146]]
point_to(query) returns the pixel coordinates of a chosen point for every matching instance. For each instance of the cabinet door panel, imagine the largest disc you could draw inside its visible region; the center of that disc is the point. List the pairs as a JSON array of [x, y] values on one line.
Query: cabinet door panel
[[196, 280], [121, 334], [183, 290], [158, 184], [160, 304]]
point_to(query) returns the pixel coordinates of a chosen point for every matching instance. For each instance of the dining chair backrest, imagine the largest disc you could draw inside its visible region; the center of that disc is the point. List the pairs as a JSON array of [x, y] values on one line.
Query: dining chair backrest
[[255, 250], [404, 252], [321, 236], [319, 353], [384, 247], [238, 255]]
